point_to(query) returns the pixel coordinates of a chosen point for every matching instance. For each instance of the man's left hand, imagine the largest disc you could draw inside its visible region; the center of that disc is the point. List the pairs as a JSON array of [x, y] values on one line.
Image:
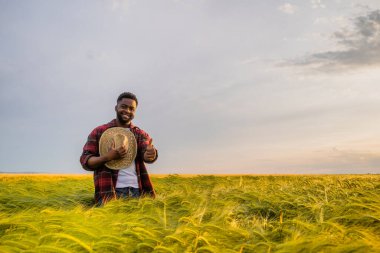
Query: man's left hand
[[150, 152]]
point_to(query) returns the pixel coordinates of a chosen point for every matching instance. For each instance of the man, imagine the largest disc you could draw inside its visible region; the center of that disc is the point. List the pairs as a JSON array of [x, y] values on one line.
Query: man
[[128, 182]]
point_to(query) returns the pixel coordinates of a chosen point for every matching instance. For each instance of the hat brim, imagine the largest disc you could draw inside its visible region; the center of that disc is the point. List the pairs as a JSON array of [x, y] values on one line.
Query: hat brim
[[107, 140]]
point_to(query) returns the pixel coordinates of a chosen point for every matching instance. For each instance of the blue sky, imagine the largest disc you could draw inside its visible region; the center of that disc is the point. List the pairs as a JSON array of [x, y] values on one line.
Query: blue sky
[[223, 86]]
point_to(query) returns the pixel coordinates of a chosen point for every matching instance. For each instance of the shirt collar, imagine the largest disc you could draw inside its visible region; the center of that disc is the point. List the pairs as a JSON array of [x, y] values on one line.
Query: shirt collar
[[112, 123]]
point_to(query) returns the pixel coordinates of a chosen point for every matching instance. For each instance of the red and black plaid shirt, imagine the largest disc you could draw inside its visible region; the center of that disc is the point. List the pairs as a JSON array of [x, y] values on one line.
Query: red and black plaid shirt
[[104, 178]]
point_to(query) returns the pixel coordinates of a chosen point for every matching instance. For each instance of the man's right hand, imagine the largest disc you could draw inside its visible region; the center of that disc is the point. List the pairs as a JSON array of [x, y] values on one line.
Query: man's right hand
[[116, 153], [113, 154]]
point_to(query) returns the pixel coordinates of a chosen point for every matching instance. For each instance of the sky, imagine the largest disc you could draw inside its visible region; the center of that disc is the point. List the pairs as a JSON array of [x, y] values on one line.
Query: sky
[[224, 87]]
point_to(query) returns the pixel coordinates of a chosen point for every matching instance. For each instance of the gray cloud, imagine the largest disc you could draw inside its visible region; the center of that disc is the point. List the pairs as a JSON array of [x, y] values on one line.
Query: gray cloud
[[360, 46]]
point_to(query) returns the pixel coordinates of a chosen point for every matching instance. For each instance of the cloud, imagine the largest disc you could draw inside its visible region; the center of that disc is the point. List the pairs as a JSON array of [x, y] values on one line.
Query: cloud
[[119, 5], [288, 8], [337, 20], [359, 46], [315, 4], [347, 158]]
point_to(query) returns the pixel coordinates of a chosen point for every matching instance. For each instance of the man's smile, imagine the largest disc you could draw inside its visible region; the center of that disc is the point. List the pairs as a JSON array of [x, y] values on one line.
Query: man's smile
[[125, 116]]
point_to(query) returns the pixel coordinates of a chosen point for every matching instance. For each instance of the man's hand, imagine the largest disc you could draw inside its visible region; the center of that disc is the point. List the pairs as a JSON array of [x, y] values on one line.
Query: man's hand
[[113, 154], [150, 152], [116, 153]]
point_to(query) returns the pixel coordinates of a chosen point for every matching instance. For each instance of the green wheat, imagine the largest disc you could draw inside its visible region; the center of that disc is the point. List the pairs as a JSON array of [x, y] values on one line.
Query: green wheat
[[194, 214]]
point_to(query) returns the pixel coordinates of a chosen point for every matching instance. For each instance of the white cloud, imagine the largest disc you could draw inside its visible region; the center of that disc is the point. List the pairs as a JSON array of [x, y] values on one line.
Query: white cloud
[[321, 20], [317, 4], [347, 158], [337, 20], [288, 8]]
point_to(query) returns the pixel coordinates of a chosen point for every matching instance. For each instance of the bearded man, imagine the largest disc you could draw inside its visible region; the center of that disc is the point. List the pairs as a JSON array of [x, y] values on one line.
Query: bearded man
[[132, 181]]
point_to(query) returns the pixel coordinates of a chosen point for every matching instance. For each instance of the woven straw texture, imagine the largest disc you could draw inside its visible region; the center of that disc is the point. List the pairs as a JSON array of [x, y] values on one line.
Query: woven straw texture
[[118, 136]]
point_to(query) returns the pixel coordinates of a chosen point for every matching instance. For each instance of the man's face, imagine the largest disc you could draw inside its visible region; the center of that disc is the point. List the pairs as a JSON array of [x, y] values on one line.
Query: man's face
[[125, 110]]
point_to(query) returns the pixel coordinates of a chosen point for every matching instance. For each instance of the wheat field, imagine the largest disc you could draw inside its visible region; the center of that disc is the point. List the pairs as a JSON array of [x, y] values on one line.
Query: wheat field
[[326, 213]]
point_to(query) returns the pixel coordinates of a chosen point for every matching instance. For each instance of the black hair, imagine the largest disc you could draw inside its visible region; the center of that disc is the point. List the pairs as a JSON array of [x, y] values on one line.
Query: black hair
[[127, 95]]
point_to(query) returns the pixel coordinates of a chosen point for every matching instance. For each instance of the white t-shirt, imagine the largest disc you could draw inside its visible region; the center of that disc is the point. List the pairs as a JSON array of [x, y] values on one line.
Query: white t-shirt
[[127, 177]]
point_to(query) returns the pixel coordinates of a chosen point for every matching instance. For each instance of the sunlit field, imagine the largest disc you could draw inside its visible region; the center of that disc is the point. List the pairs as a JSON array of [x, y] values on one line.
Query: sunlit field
[[194, 214]]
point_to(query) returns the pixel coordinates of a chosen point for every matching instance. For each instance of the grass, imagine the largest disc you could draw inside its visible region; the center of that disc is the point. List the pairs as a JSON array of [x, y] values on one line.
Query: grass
[[194, 214]]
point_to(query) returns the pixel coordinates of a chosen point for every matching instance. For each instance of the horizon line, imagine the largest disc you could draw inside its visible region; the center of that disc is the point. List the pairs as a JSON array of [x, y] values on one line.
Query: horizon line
[[186, 174]]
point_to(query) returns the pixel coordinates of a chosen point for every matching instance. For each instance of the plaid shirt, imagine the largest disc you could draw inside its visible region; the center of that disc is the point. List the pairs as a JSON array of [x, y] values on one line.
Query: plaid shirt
[[104, 178]]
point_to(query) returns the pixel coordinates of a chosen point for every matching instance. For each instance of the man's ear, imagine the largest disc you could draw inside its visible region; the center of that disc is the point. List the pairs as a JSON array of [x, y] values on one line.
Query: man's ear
[[115, 108]]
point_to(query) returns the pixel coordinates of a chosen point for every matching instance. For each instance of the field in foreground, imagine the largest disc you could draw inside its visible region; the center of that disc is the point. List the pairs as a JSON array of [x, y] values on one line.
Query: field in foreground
[[194, 214]]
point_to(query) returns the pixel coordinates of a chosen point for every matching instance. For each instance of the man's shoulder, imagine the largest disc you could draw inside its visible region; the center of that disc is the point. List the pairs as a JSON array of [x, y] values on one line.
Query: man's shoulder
[[104, 127], [138, 130]]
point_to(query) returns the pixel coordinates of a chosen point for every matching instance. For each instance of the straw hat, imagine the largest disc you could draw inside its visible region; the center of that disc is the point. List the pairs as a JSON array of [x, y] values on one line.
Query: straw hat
[[119, 136]]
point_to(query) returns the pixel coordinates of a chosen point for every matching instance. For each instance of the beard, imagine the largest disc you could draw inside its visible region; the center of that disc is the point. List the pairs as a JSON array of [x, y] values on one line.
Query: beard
[[122, 120]]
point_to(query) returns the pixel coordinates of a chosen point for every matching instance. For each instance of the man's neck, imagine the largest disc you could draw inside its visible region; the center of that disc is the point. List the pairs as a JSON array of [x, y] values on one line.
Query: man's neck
[[126, 125]]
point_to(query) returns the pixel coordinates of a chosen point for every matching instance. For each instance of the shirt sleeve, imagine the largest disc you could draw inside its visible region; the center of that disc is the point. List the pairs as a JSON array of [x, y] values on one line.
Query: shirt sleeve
[[91, 148]]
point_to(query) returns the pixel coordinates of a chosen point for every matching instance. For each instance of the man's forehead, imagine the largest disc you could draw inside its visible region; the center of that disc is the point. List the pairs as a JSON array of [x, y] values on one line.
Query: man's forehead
[[127, 101]]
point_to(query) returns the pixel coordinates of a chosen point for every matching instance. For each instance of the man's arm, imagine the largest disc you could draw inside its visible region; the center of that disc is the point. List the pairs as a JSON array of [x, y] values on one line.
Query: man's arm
[[96, 161], [91, 159], [90, 149]]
